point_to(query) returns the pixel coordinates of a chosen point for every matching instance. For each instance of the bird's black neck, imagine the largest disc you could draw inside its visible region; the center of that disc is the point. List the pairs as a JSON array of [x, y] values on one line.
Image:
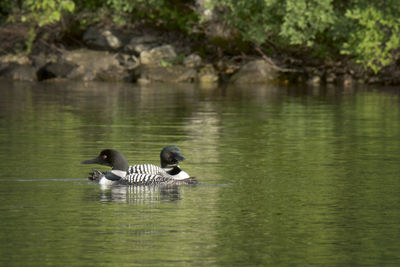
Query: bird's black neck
[[174, 170], [120, 164]]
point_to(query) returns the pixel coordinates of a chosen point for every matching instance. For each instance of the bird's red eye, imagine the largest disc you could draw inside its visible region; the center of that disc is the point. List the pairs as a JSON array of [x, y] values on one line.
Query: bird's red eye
[[104, 156]]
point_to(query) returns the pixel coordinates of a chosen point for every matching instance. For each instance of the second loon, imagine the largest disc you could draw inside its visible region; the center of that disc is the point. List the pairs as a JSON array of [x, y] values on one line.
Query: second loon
[[169, 157]]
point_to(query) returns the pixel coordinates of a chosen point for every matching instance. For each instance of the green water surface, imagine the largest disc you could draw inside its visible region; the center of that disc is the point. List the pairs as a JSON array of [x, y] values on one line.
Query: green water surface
[[290, 176]]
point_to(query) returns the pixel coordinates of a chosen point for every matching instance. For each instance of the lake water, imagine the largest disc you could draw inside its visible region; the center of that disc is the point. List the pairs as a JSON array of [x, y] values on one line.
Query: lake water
[[289, 176]]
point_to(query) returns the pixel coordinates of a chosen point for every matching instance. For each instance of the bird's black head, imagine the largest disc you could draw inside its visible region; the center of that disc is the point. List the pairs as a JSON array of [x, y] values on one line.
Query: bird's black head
[[170, 156], [111, 158]]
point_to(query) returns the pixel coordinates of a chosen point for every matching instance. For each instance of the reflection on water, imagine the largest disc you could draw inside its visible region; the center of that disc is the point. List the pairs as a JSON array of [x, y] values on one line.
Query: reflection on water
[[289, 175], [139, 194]]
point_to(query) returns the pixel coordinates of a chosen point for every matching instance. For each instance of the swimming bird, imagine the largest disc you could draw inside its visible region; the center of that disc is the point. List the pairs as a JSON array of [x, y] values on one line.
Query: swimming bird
[[120, 172], [169, 157]]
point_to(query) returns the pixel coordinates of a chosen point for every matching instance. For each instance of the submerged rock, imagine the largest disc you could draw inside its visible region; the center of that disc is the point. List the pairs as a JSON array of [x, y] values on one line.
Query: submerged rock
[[330, 77], [256, 71], [207, 74], [17, 67], [174, 74], [16, 71], [315, 80], [347, 80]]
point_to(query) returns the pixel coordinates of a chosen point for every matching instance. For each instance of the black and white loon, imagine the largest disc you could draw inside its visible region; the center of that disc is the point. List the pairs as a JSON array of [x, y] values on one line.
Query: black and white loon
[[142, 174], [169, 157]]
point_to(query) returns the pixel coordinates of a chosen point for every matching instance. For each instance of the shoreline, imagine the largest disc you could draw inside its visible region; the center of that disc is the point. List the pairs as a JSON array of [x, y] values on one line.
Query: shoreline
[[149, 55]]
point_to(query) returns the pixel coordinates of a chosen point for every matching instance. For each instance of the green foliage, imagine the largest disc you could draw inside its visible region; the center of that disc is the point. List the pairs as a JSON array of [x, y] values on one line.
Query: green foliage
[[171, 14], [30, 40], [305, 19], [7, 7], [45, 12], [92, 5], [375, 35], [367, 31], [39, 13], [296, 21], [256, 20]]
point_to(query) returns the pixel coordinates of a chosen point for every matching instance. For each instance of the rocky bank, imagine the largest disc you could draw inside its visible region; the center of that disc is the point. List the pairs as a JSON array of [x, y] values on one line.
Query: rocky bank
[[106, 55]]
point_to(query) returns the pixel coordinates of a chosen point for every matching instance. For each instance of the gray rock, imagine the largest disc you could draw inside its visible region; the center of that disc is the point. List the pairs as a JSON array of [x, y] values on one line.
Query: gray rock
[[38, 61], [137, 48], [95, 65], [129, 62], [138, 44], [20, 59], [208, 78], [144, 39], [192, 61], [101, 39], [114, 74], [172, 74], [55, 70], [256, 71], [17, 67], [157, 55], [16, 71]]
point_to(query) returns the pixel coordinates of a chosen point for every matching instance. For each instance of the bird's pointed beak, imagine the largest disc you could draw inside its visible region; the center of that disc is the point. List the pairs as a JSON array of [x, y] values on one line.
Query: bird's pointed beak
[[96, 160], [178, 156]]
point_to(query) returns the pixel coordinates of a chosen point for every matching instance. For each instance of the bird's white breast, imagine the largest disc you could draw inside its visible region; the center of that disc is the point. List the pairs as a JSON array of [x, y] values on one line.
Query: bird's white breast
[[181, 176]]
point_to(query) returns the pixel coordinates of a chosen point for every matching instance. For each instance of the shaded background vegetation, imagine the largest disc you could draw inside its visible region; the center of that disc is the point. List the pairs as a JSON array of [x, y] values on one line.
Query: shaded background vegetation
[[359, 31]]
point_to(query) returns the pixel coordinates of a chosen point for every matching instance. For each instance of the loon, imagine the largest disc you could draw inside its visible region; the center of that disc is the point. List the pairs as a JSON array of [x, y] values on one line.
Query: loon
[[121, 173], [169, 157]]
